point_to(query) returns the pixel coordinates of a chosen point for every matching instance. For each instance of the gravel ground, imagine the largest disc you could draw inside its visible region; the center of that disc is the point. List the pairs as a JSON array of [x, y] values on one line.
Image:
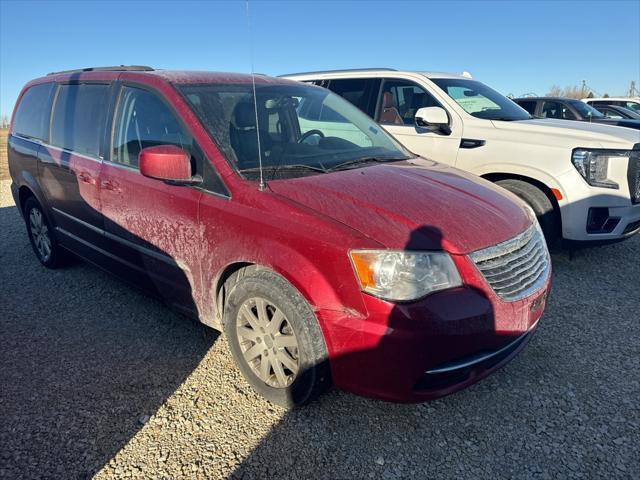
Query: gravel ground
[[98, 379]]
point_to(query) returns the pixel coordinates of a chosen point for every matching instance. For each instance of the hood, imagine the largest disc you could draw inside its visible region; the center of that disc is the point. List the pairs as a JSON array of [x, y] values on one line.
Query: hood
[[572, 134], [416, 205]]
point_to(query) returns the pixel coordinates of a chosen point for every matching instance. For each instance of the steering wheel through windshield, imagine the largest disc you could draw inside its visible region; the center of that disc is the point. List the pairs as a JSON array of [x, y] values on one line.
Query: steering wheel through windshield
[[310, 133]]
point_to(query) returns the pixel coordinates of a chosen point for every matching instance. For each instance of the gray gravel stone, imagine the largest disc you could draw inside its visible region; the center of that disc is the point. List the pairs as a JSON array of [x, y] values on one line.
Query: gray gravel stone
[[84, 357]]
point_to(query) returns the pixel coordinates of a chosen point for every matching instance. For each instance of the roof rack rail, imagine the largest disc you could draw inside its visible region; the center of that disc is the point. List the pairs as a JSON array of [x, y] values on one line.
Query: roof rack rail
[[120, 68], [380, 69]]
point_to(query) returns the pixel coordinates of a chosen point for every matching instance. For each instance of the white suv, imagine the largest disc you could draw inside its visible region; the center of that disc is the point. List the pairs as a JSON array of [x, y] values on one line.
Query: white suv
[[632, 103], [582, 180]]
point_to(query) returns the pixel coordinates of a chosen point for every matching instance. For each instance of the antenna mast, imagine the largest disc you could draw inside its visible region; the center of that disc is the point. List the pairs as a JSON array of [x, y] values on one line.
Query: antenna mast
[[262, 184]]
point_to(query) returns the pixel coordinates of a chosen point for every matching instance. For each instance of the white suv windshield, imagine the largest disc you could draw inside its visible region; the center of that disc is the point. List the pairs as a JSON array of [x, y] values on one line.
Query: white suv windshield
[[481, 101], [298, 130]]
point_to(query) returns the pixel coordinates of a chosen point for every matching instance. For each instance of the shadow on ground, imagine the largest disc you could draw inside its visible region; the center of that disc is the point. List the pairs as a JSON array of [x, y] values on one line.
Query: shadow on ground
[[84, 361]]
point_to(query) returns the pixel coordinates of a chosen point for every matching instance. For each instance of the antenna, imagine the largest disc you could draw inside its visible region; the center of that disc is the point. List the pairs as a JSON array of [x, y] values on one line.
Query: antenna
[[262, 184]]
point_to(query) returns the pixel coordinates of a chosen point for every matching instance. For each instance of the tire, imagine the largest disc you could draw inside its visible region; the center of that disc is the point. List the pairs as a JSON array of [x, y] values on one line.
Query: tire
[[548, 216], [42, 237], [303, 372]]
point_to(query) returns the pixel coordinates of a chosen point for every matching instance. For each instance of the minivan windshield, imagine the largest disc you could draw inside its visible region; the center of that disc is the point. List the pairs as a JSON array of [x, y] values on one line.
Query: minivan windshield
[[481, 101], [299, 130]]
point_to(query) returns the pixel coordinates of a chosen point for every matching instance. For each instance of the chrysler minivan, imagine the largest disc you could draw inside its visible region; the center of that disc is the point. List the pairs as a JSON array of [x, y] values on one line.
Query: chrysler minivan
[[326, 255]]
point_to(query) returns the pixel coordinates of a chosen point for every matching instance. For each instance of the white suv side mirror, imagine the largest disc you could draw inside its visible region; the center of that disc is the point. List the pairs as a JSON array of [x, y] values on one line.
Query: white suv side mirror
[[431, 116], [434, 117]]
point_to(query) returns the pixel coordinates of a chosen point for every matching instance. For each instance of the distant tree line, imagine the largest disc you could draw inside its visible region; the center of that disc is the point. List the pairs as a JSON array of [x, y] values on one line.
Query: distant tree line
[[578, 92]]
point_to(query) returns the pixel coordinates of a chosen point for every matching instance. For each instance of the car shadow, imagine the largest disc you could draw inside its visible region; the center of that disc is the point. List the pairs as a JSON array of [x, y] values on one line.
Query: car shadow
[[86, 360]]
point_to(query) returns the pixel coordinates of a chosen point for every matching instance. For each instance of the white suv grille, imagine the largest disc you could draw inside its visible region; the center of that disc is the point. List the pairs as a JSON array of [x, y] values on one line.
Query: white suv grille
[[516, 268], [634, 176]]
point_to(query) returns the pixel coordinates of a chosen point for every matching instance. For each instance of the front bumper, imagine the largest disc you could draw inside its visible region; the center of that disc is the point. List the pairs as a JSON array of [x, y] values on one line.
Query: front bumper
[[611, 204], [427, 349]]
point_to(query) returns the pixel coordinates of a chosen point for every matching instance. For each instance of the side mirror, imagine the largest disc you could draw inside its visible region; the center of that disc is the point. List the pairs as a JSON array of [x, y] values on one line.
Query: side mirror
[[435, 118], [168, 163]]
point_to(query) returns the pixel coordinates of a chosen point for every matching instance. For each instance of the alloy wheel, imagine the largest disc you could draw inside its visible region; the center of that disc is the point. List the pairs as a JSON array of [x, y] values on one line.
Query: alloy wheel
[[40, 234], [268, 342]]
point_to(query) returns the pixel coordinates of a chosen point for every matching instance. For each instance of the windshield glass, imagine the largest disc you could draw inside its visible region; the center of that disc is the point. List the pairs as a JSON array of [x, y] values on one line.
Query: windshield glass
[[303, 130], [481, 101], [585, 110]]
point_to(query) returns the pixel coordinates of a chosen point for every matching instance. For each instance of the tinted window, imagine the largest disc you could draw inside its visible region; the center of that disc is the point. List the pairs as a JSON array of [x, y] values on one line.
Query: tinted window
[[556, 110], [144, 120], [357, 91], [33, 113], [313, 110], [585, 110], [401, 100], [528, 105], [78, 118]]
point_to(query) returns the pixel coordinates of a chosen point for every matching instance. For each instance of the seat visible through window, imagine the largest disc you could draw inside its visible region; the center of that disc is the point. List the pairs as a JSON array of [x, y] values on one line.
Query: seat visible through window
[[143, 121]]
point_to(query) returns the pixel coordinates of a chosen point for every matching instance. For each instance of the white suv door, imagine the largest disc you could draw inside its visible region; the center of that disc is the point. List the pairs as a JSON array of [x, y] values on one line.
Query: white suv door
[[398, 102]]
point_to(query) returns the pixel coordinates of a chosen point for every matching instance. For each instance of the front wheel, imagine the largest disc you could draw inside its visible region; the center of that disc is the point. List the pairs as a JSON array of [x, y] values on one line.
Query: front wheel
[[547, 215], [275, 338]]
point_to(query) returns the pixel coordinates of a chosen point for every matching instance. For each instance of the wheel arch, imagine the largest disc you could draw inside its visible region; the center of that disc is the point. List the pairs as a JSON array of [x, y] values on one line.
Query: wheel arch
[[495, 177]]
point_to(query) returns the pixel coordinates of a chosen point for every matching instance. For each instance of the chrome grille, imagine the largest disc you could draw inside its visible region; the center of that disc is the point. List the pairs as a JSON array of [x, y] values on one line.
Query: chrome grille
[[634, 176], [516, 268]]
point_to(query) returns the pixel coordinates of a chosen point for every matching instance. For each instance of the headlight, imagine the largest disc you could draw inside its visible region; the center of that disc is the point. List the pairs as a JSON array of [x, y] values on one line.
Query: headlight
[[402, 275], [593, 165]]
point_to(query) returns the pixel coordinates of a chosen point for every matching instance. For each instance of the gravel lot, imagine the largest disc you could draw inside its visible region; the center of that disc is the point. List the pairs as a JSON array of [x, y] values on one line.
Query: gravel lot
[[98, 379]]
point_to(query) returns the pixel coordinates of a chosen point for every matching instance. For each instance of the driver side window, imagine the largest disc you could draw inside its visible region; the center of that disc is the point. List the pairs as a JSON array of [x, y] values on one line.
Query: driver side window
[[143, 120], [400, 100], [557, 110]]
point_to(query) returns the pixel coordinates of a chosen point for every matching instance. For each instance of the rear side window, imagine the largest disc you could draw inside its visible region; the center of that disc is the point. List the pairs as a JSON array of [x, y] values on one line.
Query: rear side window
[[78, 118], [144, 120], [528, 105], [358, 91], [32, 115]]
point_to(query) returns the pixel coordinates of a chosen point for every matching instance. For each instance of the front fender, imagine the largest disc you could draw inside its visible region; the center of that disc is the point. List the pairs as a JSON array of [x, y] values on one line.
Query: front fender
[[522, 171]]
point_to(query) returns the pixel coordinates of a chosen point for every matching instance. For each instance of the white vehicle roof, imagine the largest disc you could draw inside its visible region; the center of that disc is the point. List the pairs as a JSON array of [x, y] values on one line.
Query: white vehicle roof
[[616, 99], [376, 72]]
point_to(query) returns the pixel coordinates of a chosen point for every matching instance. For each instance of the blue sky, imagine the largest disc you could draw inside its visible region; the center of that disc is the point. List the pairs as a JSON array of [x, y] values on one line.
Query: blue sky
[[516, 47]]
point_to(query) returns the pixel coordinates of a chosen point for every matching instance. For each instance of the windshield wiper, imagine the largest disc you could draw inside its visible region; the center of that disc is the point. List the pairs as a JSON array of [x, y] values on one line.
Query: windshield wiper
[[359, 161], [508, 119], [277, 168]]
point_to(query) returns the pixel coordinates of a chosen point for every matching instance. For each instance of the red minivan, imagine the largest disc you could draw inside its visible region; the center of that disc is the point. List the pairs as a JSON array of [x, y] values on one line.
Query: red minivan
[[281, 214]]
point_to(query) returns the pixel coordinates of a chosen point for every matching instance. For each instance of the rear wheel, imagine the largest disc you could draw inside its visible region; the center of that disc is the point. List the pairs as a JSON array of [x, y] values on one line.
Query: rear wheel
[[41, 236], [275, 338], [548, 216]]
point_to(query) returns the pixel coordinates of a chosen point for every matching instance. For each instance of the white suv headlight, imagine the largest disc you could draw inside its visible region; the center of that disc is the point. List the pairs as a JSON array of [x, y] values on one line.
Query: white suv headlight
[[403, 275], [593, 165]]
